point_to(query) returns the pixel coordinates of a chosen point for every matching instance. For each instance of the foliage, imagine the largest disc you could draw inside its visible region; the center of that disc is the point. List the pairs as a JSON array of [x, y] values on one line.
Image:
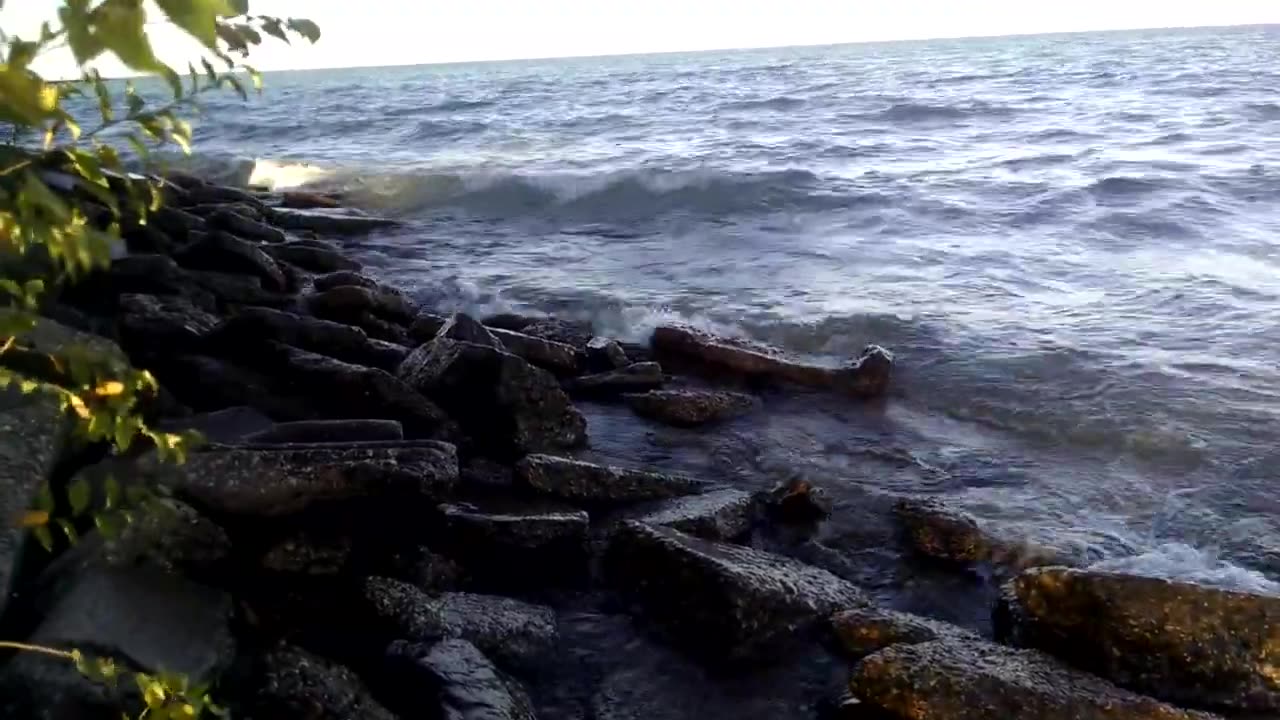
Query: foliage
[[64, 198]]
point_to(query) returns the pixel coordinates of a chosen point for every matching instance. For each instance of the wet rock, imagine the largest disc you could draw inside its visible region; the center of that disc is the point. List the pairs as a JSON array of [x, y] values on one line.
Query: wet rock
[[208, 384], [464, 328], [33, 430], [208, 194], [575, 480], [286, 480], [866, 630], [1178, 641], [717, 515], [329, 431], [458, 677], [297, 684], [799, 502], [329, 222], [174, 537], [944, 533], [508, 406], [514, 633], [309, 257], [177, 224], [223, 252], [168, 322], [345, 302], [514, 322], [139, 274], [576, 334], [942, 680], [237, 289], [404, 611], [636, 378], [604, 355], [720, 600], [868, 376], [690, 408], [549, 355], [304, 554], [251, 326], [511, 545], [341, 391], [298, 200], [234, 222], [341, 278], [426, 326]]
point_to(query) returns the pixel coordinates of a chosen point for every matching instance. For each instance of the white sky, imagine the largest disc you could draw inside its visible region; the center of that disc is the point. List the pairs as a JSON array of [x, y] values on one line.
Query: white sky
[[392, 32]]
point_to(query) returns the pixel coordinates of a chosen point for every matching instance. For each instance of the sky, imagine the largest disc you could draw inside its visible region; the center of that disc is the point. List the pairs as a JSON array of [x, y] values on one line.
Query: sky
[[398, 32]]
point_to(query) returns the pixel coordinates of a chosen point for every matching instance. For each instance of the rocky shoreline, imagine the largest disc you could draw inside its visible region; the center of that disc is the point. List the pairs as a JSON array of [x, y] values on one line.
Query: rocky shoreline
[[390, 516]]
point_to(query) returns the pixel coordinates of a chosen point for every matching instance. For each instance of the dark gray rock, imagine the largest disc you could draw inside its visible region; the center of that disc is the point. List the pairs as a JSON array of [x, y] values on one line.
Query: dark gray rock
[[514, 322], [457, 676], [1178, 641], [866, 377], [341, 278], [403, 610], [234, 222], [301, 200], [237, 289], [381, 312], [329, 222], [305, 554], [309, 257], [208, 194], [718, 600], [426, 326], [514, 633], [429, 571], [690, 408], [799, 502], [329, 431], [286, 480], [512, 545], [575, 480], [177, 224], [941, 532], [549, 355], [251, 326], [717, 515], [208, 384], [464, 328], [507, 406], [575, 334], [223, 252], [342, 391], [174, 537], [636, 378], [866, 630], [140, 274], [296, 684], [942, 680], [164, 323], [604, 355], [223, 427], [147, 240]]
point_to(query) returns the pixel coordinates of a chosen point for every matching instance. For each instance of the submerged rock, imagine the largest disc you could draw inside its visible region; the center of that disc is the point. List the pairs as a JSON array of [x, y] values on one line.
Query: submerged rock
[[576, 480], [458, 677], [868, 376], [717, 515], [798, 501], [690, 408], [944, 533], [296, 684], [285, 480], [862, 631], [1178, 641], [944, 680], [640, 377], [721, 600], [507, 406], [575, 334], [329, 221]]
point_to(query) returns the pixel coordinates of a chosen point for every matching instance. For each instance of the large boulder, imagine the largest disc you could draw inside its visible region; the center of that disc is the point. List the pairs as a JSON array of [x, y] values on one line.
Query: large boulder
[[383, 312], [455, 676], [636, 378], [574, 333], [604, 355], [293, 683], [579, 481], [690, 408], [233, 288], [308, 256], [223, 252], [208, 384], [162, 323], [512, 545], [514, 633], [341, 391], [176, 223], [461, 327], [868, 376], [139, 274], [549, 355], [1178, 641], [944, 680], [508, 406], [225, 218], [251, 326], [281, 480], [718, 515], [720, 600], [866, 630], [340, 278]]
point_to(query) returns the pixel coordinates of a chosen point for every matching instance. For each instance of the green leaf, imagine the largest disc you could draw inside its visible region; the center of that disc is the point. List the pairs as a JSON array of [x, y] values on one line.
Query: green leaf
[[110, 524], [79, 494], [69, 530], [21, 52], [305, 28], [236, 85], [126, 428], [44, 537], [274, 28], [104, 97], [85, 43], [197, 17], [111, 489], [44, 498], [121, 24]]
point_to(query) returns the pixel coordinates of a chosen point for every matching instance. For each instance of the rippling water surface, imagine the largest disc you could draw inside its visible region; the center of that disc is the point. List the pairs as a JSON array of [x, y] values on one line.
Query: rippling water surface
[[1072, 243]]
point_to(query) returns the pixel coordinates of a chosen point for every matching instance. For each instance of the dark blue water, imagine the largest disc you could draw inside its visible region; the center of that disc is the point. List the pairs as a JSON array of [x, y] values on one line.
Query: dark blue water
[[1070, 241]]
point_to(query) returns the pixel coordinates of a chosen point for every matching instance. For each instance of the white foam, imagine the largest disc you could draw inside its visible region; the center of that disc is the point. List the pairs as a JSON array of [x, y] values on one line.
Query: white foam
[[1177, 561], [284, 175]]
